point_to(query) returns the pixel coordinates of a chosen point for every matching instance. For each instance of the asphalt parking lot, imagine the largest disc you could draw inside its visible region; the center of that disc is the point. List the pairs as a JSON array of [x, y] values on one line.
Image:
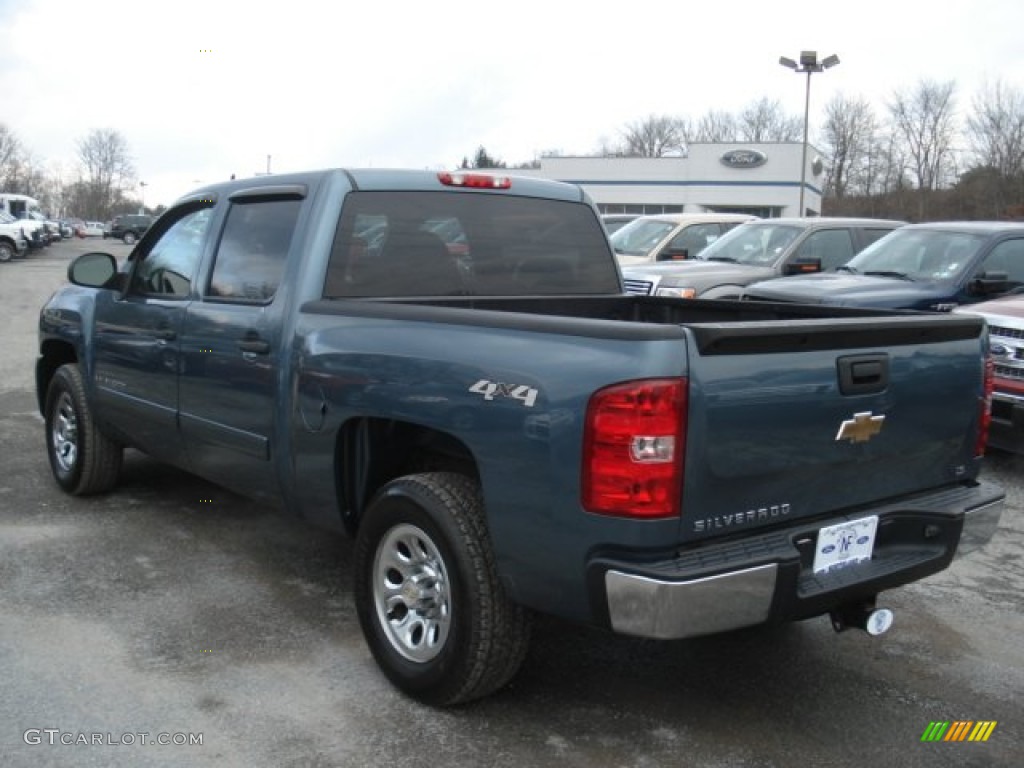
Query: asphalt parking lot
[[171, 608]]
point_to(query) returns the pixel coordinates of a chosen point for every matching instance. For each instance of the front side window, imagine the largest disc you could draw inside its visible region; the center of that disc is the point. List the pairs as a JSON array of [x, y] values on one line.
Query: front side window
[[169, 267], [694, 239], [1006, 258], [252, 252], [834, 247]]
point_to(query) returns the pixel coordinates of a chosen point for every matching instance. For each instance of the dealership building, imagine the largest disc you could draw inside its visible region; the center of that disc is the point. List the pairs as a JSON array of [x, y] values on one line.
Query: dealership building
[[762, 179]]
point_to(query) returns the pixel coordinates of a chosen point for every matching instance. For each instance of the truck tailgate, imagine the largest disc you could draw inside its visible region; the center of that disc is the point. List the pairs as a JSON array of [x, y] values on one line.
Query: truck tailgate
[[790, 421]]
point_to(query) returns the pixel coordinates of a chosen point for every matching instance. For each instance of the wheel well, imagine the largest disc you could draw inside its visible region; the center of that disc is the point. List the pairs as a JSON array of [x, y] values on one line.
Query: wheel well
[[371, 452], [53, 355]]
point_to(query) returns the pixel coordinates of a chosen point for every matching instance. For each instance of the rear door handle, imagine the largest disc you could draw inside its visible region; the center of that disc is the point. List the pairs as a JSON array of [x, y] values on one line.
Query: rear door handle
[[166, 334]]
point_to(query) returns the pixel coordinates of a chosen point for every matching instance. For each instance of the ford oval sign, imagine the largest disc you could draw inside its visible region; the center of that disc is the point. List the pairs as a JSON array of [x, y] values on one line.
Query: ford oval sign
[[744, 158]]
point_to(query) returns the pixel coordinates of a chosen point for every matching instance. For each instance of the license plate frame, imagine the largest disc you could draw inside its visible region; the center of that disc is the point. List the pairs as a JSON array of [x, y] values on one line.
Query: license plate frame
[[845, 544]]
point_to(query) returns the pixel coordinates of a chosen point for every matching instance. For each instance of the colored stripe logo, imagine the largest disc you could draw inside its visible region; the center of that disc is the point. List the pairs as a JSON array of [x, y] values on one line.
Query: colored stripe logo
[[959, 730]]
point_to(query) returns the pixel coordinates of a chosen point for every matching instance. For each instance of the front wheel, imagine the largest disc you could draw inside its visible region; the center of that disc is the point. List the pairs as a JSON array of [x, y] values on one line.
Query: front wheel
[[429, 600], [129, 238], [7, 252], [82, 458]]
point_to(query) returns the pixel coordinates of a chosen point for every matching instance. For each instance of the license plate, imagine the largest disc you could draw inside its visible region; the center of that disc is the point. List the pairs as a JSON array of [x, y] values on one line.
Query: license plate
[[845, 544]]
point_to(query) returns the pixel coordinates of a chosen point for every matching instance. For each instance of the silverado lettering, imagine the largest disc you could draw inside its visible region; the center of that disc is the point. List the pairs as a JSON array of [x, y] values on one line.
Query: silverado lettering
[[762, 514]]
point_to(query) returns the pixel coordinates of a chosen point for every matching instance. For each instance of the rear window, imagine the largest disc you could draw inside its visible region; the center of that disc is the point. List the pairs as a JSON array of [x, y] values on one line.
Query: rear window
[[467, 244]]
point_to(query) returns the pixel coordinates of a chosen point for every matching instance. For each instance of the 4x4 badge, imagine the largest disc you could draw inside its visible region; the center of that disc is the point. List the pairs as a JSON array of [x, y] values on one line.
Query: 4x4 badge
[[861, 428]]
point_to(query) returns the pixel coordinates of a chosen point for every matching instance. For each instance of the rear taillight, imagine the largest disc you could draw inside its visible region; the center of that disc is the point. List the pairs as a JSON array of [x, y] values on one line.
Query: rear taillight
[[633, 447], [474, 180], [985, 407]]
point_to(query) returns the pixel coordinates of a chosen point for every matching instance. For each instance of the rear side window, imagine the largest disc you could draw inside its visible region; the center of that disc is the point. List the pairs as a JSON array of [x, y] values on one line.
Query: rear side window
[[251, 256], [461, 244]]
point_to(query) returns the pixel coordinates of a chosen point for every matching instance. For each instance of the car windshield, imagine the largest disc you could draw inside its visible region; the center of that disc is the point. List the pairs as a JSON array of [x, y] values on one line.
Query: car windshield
[[6, 218], [753, 244], [639, 236], [918, 254]]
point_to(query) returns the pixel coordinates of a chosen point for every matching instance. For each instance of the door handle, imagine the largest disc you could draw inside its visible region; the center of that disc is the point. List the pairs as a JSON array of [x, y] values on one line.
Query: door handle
[[863, 374], [166, 334], [254, 346]]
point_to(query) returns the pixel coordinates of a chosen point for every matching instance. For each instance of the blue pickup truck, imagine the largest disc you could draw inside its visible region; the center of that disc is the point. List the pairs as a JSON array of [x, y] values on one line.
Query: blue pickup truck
[[445, 366]]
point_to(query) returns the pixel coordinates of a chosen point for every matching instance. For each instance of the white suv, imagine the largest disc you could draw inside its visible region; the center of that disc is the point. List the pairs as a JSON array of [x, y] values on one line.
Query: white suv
[[12, 237]]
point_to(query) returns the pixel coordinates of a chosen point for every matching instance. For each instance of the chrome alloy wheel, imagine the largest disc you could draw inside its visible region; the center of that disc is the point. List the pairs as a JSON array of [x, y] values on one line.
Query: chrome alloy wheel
[[65, 433], [411, 593]]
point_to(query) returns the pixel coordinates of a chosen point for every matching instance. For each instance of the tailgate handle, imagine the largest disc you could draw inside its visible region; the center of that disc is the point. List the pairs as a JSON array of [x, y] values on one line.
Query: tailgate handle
[[863, 374]]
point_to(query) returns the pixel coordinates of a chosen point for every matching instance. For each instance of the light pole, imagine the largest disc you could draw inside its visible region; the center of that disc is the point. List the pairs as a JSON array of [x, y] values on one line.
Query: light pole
[[808, 64], [142, 208]]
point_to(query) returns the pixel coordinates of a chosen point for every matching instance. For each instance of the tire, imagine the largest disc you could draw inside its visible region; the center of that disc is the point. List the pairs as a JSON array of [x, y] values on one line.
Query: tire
[[83, 460], [430, 603], [7, 252], [129, 238]]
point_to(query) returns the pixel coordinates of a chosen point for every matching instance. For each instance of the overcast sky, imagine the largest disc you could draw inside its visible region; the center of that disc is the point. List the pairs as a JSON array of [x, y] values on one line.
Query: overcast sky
[[204, 89]]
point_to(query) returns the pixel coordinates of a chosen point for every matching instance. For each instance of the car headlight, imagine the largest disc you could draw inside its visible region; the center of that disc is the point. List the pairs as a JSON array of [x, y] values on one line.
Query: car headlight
[[677, 293]]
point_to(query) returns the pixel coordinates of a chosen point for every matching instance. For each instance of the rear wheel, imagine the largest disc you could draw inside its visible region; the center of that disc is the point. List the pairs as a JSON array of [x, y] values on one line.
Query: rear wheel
[[6, 251], [82, 458], [129, 238], [430, 603]]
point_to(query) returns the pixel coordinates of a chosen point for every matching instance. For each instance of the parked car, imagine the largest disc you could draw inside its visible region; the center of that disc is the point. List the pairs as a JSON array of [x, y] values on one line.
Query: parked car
[[12, 238], [91, 229], [671, 236], [129, 227], [936, 266], [30, 230], [759, 250], [616, 221], [1005, 318], [51, 229]]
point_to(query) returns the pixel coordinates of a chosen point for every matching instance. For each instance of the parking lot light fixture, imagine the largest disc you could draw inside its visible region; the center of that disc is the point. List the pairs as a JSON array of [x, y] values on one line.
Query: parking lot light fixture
[[809, 64]]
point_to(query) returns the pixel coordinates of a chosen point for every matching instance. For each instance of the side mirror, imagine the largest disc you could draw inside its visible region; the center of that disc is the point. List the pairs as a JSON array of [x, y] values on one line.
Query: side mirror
[[802, 267], [93, 270], [988, 283], [674, 254]]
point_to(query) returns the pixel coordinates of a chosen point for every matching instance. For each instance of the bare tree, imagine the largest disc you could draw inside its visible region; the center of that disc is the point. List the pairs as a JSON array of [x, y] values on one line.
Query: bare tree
[[10, 157], [995, 132], [849, 131], [716, 126], [108, 169], [923, 119], [764, 120], [995, 128], [654, 136]]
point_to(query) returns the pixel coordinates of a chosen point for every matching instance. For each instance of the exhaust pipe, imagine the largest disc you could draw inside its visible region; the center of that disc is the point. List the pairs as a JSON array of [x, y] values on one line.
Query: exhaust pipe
[[874, 621]]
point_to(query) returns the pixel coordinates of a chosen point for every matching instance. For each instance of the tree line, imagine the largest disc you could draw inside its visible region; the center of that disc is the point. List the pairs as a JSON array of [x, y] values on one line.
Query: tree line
[[917, 159], [100, 186]]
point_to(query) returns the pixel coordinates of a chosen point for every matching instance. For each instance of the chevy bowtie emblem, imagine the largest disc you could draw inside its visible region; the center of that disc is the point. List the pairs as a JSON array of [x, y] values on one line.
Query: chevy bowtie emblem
[[861, 428]]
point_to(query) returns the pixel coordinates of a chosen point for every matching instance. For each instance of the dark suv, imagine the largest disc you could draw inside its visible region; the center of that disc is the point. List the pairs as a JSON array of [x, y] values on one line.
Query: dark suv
[[129, 227]]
